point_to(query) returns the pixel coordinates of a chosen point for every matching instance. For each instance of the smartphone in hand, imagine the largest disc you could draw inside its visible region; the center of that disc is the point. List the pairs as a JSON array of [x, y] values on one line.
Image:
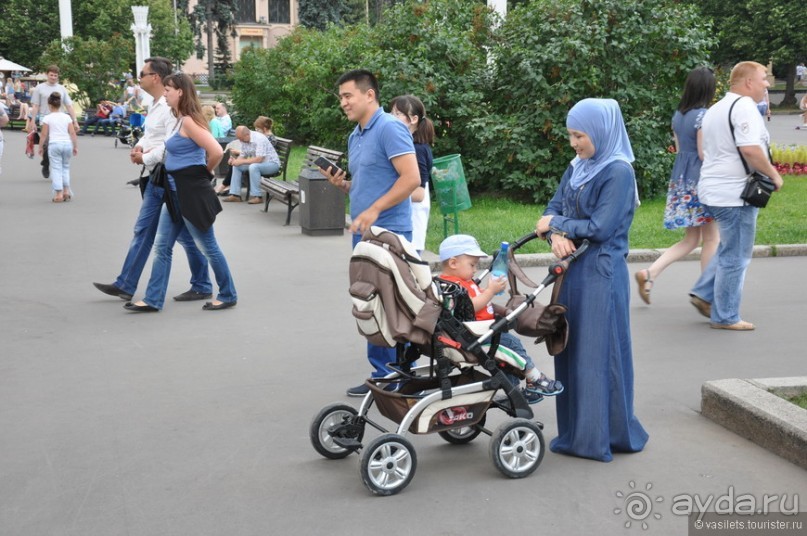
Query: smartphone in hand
[[327, 165]]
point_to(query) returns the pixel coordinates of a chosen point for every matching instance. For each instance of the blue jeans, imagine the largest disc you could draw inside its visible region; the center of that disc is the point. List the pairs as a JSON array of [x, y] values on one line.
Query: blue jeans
[[255, 171], [380, 356], [60, 153], [721, 283], [167, 233], [145, 229]]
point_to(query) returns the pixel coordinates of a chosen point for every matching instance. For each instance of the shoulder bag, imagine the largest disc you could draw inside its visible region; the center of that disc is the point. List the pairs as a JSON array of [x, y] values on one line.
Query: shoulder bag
[[758, 187]]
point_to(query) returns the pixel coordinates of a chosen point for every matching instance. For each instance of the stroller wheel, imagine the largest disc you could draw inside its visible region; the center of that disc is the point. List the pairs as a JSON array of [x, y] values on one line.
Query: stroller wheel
[[465, 434], [517, 448], [324, 427], [388, 464]]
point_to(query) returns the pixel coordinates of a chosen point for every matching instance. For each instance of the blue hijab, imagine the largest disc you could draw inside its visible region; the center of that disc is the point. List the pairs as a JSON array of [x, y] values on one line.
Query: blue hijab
[[601, 120]]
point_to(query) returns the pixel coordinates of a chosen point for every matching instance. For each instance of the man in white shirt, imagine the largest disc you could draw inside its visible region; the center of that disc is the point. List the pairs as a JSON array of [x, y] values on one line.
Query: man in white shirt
[[258, 157], [39, 108], [733, 131], [149, 151]]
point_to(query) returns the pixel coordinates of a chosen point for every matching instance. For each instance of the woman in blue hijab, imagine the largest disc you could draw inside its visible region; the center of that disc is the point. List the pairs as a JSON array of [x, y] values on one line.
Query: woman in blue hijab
[[596, 200]]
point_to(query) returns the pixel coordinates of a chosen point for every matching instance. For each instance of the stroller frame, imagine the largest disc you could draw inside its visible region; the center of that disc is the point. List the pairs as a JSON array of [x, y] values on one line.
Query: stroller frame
[[130, 134], [446, 397]]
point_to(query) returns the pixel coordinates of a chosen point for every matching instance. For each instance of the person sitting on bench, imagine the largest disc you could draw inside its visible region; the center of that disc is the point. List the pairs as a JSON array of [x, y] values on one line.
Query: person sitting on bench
[[257, 157]]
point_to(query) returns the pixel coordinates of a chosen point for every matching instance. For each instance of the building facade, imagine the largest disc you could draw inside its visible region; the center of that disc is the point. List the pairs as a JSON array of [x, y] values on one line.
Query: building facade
[[258, 23]]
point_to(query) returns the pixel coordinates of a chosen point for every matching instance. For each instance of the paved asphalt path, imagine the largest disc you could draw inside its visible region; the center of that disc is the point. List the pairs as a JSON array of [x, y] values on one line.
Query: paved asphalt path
[[196, 423]]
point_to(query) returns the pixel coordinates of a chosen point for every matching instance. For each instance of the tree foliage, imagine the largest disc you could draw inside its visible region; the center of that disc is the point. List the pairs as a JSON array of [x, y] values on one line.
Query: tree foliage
[[550, 55], [762, 31], [507, 116], [26, 27], [216, 19], [318, 14], [89, 64]]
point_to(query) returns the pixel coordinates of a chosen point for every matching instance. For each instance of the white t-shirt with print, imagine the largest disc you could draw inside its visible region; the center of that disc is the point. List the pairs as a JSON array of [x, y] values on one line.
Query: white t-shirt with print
[[723, 176]]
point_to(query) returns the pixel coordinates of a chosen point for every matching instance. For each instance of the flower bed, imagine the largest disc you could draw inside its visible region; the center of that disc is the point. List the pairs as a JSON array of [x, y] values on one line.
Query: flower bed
[[790, 159]]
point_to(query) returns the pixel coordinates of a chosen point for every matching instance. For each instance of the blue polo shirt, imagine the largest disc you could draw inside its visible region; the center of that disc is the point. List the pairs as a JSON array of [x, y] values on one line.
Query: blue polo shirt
[[370, 151]]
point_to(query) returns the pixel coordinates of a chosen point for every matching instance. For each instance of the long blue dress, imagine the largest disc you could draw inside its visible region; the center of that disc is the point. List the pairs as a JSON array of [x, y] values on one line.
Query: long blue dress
[[595, 414]]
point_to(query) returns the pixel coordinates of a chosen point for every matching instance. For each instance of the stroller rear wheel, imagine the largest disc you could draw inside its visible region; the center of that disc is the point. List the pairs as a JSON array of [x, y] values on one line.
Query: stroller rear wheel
[[388, 464], [517, 448], [324, 426], [466, 434]]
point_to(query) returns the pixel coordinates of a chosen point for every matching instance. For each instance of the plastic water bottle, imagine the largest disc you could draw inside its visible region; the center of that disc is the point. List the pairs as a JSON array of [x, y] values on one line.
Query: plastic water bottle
[[500, 265]]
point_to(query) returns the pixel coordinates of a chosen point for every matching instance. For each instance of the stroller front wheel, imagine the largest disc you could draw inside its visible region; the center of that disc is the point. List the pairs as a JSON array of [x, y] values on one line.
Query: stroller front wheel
[[517, 448], [325, 425], [388, 464]]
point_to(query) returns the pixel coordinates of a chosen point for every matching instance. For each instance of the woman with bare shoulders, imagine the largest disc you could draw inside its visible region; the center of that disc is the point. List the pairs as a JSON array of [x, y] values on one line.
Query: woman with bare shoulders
[[192, 153]]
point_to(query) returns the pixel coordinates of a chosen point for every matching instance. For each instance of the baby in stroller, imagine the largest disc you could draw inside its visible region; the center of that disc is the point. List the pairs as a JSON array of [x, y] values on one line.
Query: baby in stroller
[[459, 255]]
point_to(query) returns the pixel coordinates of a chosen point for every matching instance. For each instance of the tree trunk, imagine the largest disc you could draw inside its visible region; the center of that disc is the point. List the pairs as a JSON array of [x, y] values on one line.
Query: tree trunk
[[790, 86], [210, 54]]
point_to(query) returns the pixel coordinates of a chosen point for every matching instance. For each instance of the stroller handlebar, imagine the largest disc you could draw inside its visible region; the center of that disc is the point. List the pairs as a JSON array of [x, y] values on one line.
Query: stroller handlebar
[[558, 268], [523, 240]]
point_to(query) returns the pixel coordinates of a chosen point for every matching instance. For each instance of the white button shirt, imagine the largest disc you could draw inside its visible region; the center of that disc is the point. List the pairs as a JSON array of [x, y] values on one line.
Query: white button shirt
[[160, 123]]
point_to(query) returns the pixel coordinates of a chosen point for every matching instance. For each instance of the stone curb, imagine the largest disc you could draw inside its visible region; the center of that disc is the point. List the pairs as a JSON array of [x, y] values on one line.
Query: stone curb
[[528, 260], [747, 408], [637, 255]]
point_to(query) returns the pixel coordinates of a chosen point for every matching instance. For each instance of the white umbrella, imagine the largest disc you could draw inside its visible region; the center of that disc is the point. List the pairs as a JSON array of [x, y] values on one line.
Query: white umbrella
[[7, 65]]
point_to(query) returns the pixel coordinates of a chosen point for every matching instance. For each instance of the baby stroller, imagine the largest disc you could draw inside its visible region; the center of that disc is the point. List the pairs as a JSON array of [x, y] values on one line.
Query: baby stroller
[[397, 303], [131, 133]]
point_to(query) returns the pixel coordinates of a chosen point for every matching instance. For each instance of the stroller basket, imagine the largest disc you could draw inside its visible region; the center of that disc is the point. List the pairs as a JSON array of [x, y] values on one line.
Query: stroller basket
[[465, 409]]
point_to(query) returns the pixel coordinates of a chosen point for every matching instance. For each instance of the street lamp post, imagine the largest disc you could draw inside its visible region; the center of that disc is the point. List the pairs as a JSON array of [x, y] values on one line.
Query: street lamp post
[[142, 33]]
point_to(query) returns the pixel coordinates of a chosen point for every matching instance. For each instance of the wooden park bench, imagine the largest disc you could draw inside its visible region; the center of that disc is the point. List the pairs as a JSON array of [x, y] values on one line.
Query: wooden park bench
[[288, 192]]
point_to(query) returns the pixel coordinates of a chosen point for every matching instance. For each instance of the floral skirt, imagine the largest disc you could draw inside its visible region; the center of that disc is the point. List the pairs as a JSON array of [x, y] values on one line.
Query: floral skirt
[[683, 207]]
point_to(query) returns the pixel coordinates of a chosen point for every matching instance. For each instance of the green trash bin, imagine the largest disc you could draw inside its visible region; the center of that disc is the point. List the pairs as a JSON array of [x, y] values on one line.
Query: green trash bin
[[451, 188]]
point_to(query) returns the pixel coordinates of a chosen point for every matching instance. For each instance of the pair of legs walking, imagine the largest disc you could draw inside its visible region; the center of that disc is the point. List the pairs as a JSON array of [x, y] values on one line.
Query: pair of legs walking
[[60, 153], [694, 236], [145, 230], [721, 283], [168, 232]]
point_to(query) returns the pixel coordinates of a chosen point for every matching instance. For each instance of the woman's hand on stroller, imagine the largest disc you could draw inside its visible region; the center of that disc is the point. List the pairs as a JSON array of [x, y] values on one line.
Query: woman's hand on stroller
[[561, 246]]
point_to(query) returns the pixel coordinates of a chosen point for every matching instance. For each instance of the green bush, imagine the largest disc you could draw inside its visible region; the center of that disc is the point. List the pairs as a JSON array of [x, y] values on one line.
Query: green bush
[[550, 55], [294, 83], [436, 51], [505, 116], [432, 49]]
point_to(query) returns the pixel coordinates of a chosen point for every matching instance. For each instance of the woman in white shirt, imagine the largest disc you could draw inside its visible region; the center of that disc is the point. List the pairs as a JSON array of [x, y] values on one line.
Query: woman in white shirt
[[59, 134]]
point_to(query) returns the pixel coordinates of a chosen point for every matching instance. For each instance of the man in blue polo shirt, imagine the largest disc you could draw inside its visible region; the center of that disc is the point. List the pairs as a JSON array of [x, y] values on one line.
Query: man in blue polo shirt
[[384, 173]]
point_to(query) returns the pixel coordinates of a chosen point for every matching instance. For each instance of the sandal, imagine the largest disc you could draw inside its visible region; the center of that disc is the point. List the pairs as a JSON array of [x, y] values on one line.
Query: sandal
[[545, 386], [645, 284], [58, 198]]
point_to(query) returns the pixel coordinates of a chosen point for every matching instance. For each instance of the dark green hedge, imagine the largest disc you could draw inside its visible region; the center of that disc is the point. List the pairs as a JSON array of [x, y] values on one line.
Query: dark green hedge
[[499, 97]]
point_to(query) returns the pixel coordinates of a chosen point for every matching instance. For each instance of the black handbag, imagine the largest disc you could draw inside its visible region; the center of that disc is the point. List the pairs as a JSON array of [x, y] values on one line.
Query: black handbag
[[758, 187], [758, 190]]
